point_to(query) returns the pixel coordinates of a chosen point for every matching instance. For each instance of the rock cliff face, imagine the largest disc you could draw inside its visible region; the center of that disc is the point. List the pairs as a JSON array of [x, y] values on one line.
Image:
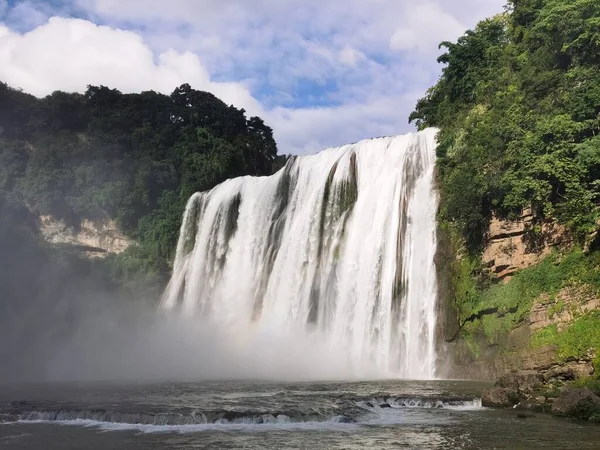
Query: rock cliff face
[[512, 245], [517, 354], [569, 303], [95, 240]]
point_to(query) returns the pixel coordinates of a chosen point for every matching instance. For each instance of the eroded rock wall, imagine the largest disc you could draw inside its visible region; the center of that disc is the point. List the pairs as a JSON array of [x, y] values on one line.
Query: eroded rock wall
[[512, 245], [93, 239]]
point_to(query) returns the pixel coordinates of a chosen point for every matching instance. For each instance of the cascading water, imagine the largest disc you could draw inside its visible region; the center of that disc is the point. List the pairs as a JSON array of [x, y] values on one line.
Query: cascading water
[[339, 246]]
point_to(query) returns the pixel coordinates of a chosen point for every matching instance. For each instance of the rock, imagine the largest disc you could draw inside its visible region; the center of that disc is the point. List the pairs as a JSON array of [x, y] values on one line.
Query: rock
[[562, 373], [385, 405], [569, 303], [370, 405], [499, 397], [8, 418], [509, 248], [580, 403], [524, 383], [345, 419], [94, 239]]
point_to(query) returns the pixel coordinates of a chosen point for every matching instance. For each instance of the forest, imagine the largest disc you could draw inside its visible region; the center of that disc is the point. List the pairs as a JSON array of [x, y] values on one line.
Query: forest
[[518, 105], [134, 158]]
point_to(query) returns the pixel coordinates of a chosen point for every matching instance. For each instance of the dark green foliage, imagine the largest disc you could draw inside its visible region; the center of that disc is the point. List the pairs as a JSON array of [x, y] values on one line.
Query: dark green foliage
[[135, 158], [518, 106]]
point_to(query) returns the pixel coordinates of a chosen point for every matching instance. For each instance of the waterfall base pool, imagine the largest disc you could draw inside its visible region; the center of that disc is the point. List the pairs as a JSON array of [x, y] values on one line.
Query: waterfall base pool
[[261, 415]]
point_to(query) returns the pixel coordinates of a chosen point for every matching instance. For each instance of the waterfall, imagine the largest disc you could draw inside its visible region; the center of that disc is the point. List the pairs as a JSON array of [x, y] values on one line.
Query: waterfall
[[338, 245]]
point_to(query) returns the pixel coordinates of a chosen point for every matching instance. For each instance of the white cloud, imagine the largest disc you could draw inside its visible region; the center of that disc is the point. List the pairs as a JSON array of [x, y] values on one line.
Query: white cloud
[[425, 26], [320, 73], [309, 129], [350, 56], [69, 54]]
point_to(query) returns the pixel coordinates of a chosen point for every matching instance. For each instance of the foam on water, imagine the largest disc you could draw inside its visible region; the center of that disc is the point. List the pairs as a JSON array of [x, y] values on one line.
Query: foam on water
[[377, 411]]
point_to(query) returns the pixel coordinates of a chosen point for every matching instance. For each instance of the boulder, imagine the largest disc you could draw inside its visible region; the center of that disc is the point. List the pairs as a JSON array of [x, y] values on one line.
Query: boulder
[[524, 383], [562, 373], [499, 397], [344, 419], [7, 418], [580, 403]]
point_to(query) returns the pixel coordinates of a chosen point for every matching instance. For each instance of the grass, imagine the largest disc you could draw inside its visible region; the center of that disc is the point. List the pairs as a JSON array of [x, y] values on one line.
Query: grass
[[576, 341], [557, 308]]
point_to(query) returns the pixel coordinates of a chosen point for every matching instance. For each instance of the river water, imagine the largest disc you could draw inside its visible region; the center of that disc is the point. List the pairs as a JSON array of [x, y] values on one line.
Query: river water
[[266, 415]]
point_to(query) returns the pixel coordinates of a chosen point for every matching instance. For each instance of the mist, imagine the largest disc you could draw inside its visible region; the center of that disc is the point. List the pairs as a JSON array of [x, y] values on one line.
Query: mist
[[144, 345], [62, 319], [108, 339]]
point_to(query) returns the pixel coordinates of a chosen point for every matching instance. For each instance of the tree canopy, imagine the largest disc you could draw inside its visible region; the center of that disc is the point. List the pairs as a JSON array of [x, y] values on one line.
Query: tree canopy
[[135, 158], [518, 107]]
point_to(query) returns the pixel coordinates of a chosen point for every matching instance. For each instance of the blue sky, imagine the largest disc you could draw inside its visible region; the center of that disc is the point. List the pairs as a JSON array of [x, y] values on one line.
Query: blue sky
[[321, 73]]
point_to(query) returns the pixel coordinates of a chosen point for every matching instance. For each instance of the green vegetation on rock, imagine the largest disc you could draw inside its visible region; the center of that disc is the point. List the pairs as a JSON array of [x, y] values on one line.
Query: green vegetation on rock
[[489, 313], [576, 340]]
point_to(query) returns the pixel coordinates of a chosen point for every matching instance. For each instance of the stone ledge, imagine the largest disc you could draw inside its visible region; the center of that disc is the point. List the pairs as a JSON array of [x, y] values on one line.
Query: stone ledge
[[93, 239]]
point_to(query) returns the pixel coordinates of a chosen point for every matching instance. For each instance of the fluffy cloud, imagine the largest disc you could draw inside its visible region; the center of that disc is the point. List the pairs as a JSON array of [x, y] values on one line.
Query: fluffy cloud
[[320, 73], [426, 25], [69, 54]]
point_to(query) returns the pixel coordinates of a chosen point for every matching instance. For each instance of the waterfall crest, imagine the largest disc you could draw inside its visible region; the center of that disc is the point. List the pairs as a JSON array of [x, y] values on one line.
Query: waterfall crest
[[339, 246]]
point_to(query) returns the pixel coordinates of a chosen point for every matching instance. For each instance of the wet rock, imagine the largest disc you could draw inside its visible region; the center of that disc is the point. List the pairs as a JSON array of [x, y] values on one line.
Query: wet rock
[[370, 405], [524, 383], [499, 397], [344, 419], [580, 403], [6, 418], [385, 405]]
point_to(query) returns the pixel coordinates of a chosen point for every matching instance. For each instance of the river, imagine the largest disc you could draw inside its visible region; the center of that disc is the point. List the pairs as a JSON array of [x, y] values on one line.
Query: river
[[268, 415]]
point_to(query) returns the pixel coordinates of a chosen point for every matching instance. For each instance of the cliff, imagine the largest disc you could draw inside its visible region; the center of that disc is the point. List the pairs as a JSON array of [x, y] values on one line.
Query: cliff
[[522, 349], [533, 303], [512, 245], [94, 240], [132, 158]]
